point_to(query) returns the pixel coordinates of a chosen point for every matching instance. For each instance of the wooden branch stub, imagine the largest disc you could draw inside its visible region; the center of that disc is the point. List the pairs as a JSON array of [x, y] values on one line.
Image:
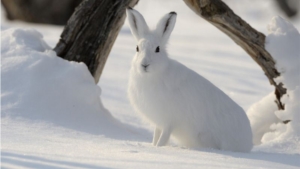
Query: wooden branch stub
[[252, 41], [91, 32]]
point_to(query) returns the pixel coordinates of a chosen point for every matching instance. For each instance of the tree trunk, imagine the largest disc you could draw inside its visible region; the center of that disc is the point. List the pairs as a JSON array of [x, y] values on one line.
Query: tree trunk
[[91, 32], [220, 15], [40, 11]]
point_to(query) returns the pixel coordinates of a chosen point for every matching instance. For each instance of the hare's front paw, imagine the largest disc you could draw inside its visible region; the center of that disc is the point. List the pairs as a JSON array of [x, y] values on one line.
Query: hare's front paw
[[156, 135], [164, 137]]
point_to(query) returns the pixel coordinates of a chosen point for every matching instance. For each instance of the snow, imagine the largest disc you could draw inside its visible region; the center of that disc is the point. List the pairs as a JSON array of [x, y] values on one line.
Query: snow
[[261, 115], [40, 86], [283, 42], [54, 147], [41, 129]]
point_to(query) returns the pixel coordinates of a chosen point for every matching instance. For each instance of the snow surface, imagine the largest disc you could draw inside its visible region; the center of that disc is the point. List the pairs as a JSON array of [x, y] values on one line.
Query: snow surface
[[283, 43], [51, 137], [40, 86]]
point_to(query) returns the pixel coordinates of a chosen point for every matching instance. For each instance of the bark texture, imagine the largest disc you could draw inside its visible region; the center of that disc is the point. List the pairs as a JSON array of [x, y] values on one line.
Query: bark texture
[[220, 15], [91, 32]]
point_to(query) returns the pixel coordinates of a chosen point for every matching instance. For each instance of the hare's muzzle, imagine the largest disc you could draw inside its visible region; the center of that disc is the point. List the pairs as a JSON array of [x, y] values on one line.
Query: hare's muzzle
[[145, 66]]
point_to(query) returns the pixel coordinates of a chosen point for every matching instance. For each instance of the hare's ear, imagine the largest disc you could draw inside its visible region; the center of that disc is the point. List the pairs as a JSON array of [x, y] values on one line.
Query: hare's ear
[[138, 25], [166, 25]]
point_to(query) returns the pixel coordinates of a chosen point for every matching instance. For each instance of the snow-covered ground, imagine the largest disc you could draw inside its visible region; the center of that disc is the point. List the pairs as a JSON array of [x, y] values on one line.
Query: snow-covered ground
[[52, 117]]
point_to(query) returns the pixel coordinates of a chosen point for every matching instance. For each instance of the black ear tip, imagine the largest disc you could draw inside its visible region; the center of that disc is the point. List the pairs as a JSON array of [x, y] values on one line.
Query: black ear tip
[[173, 13], [129, 8]]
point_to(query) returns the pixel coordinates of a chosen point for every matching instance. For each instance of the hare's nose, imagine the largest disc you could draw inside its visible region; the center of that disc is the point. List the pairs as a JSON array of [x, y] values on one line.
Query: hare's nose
[[145, 65]]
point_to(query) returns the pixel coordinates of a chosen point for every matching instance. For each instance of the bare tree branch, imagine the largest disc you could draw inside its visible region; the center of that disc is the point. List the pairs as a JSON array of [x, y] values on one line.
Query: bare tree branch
[[252, 41]]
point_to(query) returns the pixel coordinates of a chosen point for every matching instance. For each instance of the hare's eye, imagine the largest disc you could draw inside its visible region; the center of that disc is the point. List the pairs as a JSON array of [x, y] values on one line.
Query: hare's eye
[[137, 48], [157, 49]]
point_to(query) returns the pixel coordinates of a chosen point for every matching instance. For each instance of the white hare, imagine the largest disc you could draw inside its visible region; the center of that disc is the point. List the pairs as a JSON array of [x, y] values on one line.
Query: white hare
[[176, 99]]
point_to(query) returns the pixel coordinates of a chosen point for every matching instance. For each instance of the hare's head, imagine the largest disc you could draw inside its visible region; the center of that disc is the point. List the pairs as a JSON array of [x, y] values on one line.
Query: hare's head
[[151, 56]]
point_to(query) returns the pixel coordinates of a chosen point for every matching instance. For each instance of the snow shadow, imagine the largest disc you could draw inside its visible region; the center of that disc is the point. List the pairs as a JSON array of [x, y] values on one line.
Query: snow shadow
[[287, 159], [29, 161]]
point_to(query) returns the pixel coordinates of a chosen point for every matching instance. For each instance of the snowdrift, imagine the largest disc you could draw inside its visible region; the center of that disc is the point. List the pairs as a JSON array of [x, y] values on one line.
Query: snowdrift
[[38, 85], [283, 43]]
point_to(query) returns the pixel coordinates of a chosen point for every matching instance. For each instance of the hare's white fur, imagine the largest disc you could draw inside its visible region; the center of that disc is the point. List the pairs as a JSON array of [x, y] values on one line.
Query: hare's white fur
[[179, 101]]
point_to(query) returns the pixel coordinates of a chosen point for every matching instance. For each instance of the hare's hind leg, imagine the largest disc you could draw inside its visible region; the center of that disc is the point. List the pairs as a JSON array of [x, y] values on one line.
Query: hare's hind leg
[[164, 137], [157, 133]]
